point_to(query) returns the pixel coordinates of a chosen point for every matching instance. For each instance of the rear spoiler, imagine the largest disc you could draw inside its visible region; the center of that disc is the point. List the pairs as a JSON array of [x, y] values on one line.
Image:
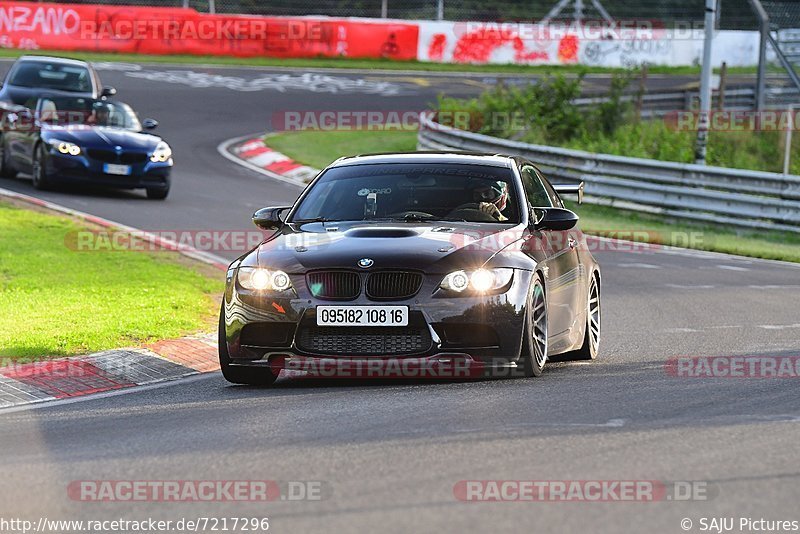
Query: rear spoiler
[[570, 189]]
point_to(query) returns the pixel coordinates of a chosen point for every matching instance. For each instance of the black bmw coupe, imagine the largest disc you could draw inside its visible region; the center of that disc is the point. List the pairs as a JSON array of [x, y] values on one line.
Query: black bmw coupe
[[79, 140], [416, 259]]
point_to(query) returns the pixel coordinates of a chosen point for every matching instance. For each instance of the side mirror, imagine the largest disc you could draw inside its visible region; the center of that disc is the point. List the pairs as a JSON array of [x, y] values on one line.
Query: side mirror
[[553, 219], [108, 91], [269, 218], [149, 124]]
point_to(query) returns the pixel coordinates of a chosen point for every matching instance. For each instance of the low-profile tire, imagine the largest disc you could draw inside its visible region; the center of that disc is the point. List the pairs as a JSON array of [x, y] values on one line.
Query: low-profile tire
[[40, 178], [240, 375], [534, 339], [6, 171], [591, 337], [157, 193]]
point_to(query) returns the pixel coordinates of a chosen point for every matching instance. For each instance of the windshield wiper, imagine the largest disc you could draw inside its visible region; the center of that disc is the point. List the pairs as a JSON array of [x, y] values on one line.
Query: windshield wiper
[[415, 217], [313, 220]]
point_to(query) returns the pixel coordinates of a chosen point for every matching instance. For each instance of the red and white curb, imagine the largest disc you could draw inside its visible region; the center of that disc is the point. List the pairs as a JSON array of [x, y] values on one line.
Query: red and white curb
[[63, 378], [54, 379], [251, 152]]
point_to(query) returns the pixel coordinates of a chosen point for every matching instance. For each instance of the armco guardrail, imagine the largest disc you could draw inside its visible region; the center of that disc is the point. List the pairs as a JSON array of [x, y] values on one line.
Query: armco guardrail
[[747, 199], [741, 98]]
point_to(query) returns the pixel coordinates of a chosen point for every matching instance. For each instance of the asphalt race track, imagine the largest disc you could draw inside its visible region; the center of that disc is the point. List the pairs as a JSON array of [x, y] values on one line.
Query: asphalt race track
[[389, 454]]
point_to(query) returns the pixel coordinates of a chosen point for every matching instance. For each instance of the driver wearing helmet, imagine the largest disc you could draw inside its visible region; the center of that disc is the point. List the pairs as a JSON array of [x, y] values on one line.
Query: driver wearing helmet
[[491, 198], [100, 114]]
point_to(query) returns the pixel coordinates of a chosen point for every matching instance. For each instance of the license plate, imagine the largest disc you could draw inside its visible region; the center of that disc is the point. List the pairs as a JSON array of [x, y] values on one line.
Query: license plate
[[362, 315], [113, 168]]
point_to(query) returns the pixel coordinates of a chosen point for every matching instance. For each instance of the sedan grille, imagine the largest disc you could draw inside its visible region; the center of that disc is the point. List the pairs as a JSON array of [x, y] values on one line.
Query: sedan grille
[[393, 285], [334, 285], [110, 156], [366, 340]]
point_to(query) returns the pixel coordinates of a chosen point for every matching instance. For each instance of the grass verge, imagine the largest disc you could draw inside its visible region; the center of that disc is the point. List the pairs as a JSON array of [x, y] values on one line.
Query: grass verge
[[55, 301], [350, 63], [318, 148]]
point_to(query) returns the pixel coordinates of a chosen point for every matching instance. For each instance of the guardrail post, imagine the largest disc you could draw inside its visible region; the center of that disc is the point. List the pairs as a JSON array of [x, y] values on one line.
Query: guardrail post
[[705, 86], [763, 28], [723, 79], [787, 155], [640, 94]]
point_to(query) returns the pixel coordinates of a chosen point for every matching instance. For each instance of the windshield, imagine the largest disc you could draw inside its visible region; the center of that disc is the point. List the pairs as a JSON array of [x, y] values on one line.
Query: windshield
[[70, 111], [45, 75], [420, 191]]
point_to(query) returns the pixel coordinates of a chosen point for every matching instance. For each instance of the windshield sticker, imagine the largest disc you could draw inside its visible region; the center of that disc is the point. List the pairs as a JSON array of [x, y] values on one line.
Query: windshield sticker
[[385, 191]]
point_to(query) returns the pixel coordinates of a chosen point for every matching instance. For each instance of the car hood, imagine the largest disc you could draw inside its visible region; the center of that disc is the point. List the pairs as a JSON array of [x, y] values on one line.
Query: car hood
[[101, 136], [434, 247]]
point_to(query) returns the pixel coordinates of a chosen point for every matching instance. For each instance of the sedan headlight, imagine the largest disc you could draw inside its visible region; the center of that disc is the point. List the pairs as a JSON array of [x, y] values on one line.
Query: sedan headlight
[[478, 281], [260, 279], [162, 152], [65, 147]]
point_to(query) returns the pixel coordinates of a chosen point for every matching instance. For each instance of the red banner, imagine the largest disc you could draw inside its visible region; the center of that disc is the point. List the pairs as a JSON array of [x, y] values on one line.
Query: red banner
[[164, 30]]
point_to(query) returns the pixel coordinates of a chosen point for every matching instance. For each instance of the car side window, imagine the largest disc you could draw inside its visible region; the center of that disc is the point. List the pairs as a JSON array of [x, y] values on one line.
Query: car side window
[[554, 198], [538, 196]]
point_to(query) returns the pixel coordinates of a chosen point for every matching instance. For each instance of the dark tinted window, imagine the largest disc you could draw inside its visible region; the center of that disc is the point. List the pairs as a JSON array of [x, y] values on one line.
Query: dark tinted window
[[45, 75], [535, 190], [412, 190], [554, 198]]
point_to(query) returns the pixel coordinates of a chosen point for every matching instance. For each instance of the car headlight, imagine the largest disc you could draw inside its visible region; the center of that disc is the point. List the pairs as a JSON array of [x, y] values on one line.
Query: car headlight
[[478, 281], [162, 152], [260, 279], [65, 147]]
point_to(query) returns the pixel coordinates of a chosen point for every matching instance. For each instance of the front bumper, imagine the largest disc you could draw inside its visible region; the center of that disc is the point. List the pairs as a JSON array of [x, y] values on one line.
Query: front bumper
[[277, 330], [83, 169]]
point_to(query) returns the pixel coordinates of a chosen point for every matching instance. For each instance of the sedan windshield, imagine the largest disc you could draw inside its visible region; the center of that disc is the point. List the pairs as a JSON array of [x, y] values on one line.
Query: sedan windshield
[[45, 75], [412, 192]]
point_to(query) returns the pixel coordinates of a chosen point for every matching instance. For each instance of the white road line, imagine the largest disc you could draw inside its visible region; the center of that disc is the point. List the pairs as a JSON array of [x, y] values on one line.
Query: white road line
[[689, 330], [639, 265], [732, 268], [114, 393]]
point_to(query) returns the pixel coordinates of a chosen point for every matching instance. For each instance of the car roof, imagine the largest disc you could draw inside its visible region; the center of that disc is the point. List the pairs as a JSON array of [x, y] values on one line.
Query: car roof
[[53, 59], [464, 158]]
